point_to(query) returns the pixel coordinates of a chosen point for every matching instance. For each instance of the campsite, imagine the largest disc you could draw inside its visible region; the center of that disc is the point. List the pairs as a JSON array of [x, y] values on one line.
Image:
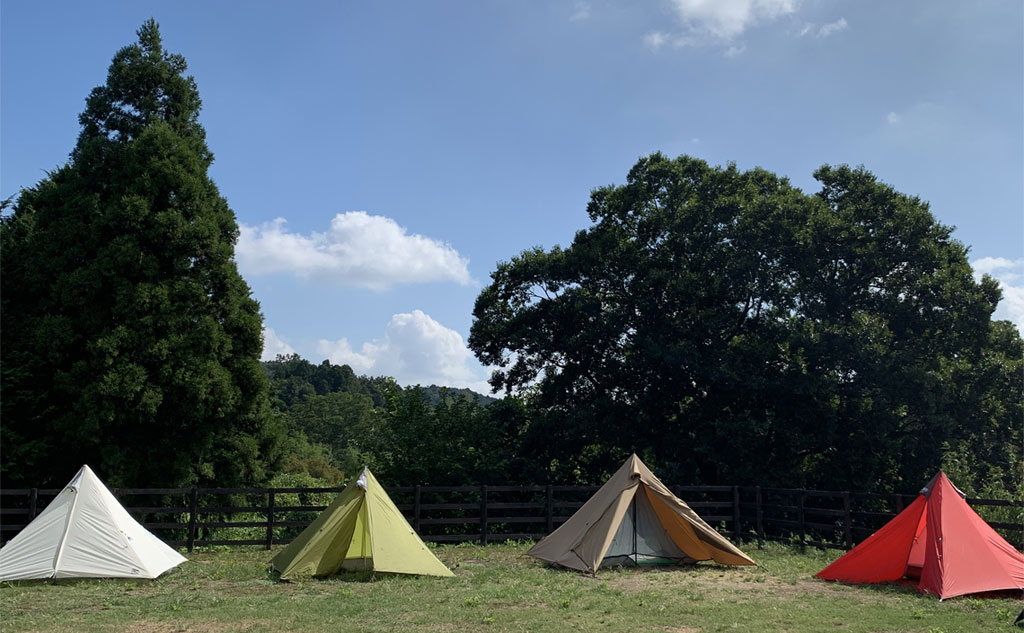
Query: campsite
[[360, 566], [496, 588], [682, 316]]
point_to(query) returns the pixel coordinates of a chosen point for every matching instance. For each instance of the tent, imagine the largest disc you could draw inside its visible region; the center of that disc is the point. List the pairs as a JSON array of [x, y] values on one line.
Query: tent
[[633, 520], [361, 529], [85, 533], [939, 541]]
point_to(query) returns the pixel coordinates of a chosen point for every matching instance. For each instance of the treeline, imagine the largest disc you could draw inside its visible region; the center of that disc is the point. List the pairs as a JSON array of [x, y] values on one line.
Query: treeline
[[336, 422]]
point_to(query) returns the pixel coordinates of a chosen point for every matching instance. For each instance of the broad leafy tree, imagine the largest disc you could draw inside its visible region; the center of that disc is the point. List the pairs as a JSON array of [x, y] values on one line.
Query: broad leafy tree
[[733, 329], [130, 340]]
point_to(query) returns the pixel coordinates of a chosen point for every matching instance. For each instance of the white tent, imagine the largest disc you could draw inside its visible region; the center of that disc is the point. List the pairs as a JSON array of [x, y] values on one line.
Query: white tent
[[85, 533]]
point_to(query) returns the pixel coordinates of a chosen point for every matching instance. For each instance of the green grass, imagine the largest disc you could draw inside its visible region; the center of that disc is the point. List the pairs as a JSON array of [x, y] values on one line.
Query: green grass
[[496, 588]]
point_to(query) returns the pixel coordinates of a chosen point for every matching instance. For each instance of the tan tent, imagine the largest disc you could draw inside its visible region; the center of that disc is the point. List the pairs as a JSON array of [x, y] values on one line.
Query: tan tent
[[634, 519]]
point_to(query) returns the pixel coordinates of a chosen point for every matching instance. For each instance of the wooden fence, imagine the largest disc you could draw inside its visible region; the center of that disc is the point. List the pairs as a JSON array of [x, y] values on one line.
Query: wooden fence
[[198, 517]]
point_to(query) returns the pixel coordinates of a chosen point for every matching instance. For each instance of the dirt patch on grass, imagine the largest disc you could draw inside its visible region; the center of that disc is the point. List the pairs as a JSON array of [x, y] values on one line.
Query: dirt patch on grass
[[630, 580], [704, 580], [804, 587]]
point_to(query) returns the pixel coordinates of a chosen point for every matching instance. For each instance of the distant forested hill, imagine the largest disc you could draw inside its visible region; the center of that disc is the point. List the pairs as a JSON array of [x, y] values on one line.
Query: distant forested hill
[[336, 422], [435, 394], [293, 377]]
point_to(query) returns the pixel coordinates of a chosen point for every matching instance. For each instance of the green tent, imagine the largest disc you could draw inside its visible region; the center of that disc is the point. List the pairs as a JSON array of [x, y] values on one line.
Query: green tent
[[361, 529]]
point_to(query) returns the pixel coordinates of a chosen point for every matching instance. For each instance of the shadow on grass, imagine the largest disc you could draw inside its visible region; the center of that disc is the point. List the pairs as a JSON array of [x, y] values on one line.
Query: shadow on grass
[[78, 582], [699, 568], [896, 587], [909, 587], [361, 576]]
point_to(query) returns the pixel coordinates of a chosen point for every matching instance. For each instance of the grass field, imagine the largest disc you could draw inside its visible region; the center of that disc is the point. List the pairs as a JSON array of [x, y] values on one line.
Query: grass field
[[496, 588]]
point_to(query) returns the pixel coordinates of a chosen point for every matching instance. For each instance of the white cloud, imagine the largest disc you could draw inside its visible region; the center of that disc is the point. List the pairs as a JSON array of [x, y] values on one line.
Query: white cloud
[[1013, 269], [415, 349], [358, 249], [582, 12], [893, 118], [832, 27], [655, 40], [724, 20], [274, 346], [1010, 275]]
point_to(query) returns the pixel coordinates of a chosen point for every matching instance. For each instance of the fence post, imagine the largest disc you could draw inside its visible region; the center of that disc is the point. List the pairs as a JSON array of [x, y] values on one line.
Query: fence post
[[800, 515], [736, 531], [847, 520], [760, 519], [483, 514], [193, 509], [549, 509], [899, 504], [416, 509], [270, 517], [33, 496]]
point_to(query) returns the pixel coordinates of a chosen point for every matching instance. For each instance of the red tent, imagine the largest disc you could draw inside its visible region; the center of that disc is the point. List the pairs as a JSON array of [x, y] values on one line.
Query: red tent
[[938, 539]]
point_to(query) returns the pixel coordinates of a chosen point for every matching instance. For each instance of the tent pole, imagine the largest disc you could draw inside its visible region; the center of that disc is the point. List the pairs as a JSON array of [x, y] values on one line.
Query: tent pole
[[64, 537], [636, 559]]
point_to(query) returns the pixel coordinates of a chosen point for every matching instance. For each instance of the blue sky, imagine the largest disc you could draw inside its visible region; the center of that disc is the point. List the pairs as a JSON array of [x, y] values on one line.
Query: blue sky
[[381, 157]]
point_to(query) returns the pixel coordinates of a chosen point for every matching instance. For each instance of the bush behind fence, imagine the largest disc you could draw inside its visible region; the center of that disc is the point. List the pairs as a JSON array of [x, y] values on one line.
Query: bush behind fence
[[199, 517]]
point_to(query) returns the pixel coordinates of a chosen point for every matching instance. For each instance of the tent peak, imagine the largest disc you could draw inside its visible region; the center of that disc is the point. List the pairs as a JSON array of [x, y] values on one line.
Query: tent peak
[[940, 478], [83, 472], [636, 466]]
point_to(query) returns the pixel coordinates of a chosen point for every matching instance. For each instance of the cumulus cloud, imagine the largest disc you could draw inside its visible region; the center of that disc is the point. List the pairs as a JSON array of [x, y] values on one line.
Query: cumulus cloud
[[274, 346], [1010, 275], [358, 249], [724, 20], [582, 12], [415, 349]]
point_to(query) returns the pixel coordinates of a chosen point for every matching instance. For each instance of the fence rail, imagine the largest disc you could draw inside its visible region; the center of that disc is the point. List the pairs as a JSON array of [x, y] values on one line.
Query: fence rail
[[197, 517]]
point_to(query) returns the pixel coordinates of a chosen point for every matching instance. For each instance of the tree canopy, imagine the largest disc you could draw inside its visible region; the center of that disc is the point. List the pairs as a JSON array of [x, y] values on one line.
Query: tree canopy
[[130, 340], [736, 330]]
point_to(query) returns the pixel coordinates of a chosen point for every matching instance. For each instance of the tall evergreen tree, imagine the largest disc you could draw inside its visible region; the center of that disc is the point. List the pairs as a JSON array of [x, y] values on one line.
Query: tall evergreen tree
[[130, 341]]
